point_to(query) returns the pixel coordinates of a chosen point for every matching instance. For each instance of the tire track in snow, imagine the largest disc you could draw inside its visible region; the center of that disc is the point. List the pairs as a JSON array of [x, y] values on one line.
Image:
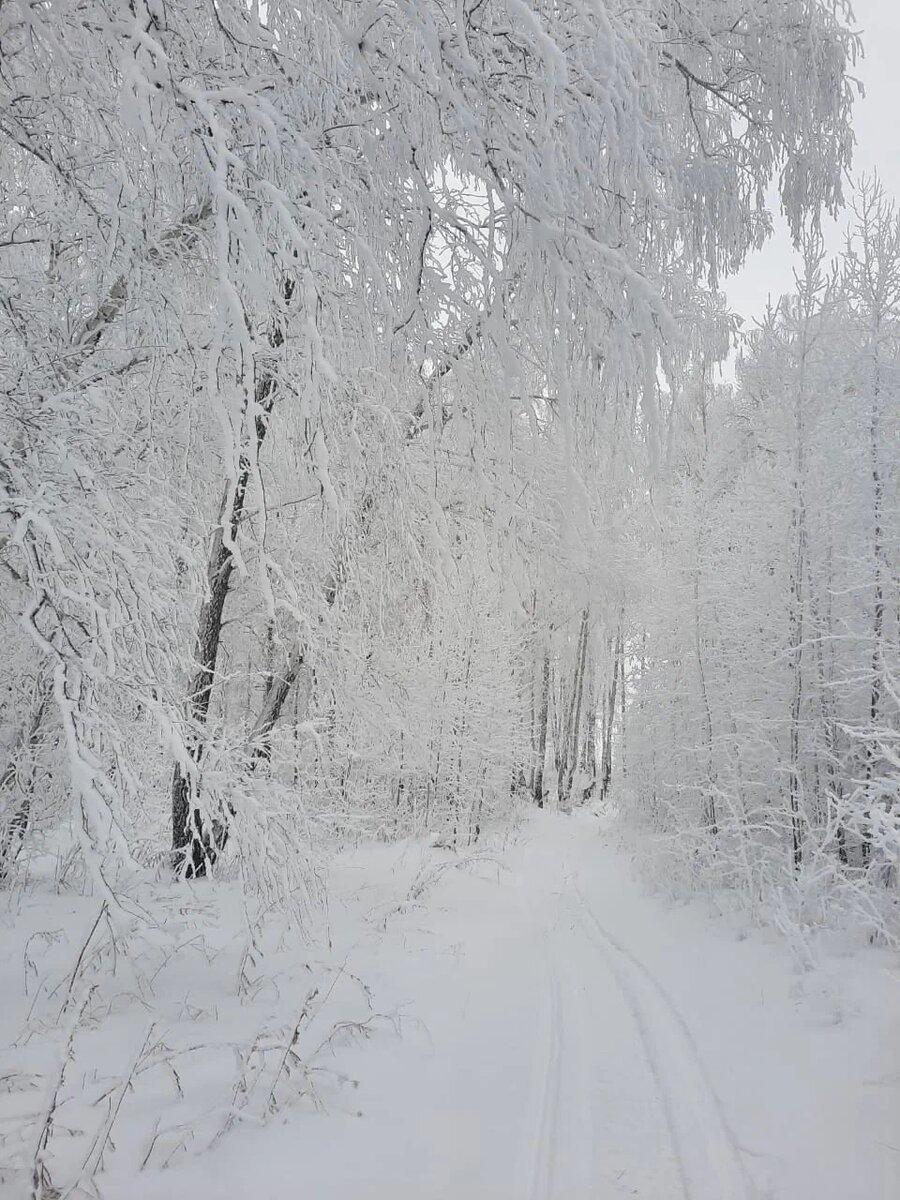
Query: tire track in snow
[[710, 1163], [542, 1122], [544, 1132], [558, 1154]]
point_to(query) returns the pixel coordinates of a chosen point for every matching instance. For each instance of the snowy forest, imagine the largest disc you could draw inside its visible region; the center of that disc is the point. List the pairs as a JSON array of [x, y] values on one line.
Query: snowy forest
[[387, 490]]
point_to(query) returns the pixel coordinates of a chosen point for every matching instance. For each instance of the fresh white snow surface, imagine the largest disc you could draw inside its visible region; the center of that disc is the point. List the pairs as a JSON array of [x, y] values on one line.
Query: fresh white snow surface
[[538, 1028]]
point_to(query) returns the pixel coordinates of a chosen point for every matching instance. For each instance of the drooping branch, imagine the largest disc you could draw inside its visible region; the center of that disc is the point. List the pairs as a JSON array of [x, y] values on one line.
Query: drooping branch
[[179, 237], [15, 816]]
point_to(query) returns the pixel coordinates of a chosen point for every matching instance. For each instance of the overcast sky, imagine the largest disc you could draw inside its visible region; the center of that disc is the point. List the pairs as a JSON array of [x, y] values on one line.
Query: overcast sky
[[876, 122]]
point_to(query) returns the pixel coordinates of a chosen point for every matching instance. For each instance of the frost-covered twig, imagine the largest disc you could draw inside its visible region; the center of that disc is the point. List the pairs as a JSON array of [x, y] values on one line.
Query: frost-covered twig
[[41, 1183]]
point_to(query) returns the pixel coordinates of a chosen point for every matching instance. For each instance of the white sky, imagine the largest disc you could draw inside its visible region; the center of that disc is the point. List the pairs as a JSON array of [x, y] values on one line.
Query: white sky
[[876, 122]]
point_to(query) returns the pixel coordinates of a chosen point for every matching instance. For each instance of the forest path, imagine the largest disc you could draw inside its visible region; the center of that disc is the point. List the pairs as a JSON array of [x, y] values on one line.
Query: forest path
[[566, 1036], [643, 1116]]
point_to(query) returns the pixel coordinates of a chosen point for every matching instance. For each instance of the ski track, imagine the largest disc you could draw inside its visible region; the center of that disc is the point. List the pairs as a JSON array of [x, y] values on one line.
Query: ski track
[[709, 1160]]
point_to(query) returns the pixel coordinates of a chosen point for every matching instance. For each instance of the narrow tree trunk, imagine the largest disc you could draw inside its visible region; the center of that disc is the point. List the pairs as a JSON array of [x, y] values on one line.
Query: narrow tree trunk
[[194, 847], [878, 601], [606, 763], [535, 698], [821, 627], [15, 817], [589, 739], [795, 782], [563, 738], [794, 779], [572, 746], [461, 734], [543, 712], [434, 781], [278, 687], [622, 738], [710, 814], [398, 791], [188, 839]]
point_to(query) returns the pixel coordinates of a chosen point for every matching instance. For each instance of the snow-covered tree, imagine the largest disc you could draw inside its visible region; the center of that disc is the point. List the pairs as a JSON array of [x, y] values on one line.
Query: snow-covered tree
[[252, 252]]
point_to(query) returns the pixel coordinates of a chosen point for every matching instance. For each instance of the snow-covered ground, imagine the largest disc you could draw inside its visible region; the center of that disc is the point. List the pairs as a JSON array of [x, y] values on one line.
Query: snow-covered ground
[[527, 1025]]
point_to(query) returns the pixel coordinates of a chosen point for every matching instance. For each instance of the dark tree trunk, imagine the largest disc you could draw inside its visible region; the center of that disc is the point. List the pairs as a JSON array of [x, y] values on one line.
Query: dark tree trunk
[[542, 732], [196, 848]]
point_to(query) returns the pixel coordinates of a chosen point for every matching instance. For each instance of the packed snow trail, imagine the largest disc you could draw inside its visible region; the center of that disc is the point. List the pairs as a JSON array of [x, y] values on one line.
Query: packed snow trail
[[707, 1163], [709, 1159], [542, 1133], [565, 1036]]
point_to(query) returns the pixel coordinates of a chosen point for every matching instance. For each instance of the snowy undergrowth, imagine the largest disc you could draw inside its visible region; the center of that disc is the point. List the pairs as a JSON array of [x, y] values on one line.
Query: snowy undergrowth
[[567, 1036], [140, 1037], [820, 902]]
